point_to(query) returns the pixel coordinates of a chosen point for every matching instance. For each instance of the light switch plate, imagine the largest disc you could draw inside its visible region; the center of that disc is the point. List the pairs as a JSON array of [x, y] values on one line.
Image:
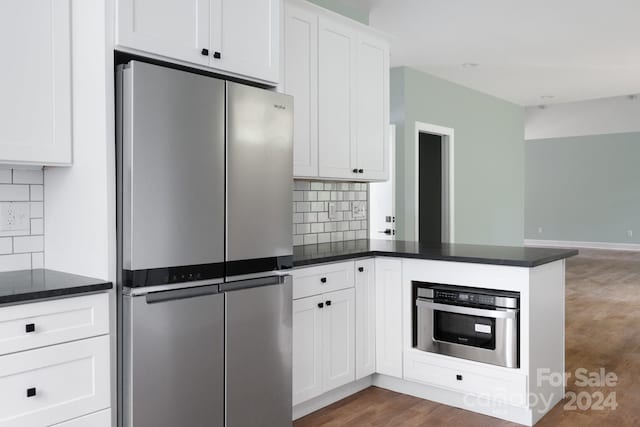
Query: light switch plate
[[359, 209], [14, 217]]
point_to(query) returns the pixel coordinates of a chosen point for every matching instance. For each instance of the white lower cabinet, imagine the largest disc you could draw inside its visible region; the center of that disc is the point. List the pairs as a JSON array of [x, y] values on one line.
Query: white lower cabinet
[[323, 343], [55, 363], [389, 317], [97, 419], [53, 384], [365, 318]]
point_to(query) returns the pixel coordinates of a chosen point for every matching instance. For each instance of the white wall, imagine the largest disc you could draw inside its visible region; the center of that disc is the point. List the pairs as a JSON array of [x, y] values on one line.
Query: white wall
[[80, 201], [595, 117]]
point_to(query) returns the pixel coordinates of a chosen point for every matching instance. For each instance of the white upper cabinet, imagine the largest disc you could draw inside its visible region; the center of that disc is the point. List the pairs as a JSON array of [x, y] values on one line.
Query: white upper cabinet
[[337, 92], [246, 35], [176, 29], [240, 37], [300, 79], [372, 108], [35, 82], [338, 72]]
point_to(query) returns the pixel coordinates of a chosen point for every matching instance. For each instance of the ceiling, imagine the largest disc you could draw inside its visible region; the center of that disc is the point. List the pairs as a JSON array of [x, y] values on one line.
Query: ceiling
[[525, 49]]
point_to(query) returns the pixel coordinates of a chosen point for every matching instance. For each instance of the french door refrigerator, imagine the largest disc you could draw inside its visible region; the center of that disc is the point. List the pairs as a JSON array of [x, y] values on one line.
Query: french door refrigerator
[[204, 234]]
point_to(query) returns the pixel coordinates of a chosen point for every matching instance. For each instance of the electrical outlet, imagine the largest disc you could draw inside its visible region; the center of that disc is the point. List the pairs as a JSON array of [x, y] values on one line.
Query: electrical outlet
[[14, 217], [332, 210], [630, 233], [539, 230], [359, 209]]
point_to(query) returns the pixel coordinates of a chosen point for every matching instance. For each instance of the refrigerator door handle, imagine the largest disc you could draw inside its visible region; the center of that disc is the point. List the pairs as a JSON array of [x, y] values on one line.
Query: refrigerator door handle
[[252, 283], [158, 297]]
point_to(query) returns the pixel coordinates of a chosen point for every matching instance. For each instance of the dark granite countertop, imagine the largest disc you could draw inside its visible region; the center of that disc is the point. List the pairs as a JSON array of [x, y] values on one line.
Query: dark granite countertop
[[499, 255], [31, 285]]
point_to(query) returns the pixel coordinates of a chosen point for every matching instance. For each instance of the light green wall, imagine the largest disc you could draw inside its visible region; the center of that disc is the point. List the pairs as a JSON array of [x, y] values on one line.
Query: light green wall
[[489, 156], [584, 188], [340, 7]]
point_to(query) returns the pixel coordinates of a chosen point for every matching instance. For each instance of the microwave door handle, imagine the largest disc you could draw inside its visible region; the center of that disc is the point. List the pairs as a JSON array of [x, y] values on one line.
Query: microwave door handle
[[471, 311]]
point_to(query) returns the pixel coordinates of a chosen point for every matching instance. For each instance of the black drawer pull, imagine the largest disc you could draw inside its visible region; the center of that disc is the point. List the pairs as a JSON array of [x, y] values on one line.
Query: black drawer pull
[[217, 55], [205, 52], [360, 269], [31, 392], [323, 280], [328, 303], [355, 171], [30, 327], [320, 305], [459, 377], [360, 170]]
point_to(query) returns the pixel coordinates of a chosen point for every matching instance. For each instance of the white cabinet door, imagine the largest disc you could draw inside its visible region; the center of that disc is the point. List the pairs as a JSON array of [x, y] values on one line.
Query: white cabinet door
[[176, 29], [389, 317], [336, 94], [53, 384], [365, 318], [307, 348], [35, 82], [301, 82], [246, 34], [338, 331], [372, 100]]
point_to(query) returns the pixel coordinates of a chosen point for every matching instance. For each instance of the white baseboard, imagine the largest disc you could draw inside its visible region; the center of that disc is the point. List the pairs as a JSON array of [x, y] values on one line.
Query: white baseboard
[[514, 414], [305, 408], [582, 245]]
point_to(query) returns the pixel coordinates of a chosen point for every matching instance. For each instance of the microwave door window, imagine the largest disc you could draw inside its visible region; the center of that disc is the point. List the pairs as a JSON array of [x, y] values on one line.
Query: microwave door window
[[464, 329]]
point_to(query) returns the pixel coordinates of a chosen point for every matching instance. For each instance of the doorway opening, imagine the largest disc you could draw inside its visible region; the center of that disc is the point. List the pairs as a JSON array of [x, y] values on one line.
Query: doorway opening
[[434, 201]]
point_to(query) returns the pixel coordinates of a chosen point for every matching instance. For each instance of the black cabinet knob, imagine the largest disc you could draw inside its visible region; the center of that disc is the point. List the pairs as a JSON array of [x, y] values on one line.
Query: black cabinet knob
[[30, 327], [323, 280], [320, 304], [205, 52], [328, 303], [31, 392], [355, 171], [360, 170], [217, 55], [360, 269], [459, 377]]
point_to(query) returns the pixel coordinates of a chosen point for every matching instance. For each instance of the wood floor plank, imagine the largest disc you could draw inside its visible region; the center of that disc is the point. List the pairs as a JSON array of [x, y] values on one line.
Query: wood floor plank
[[602, 331]]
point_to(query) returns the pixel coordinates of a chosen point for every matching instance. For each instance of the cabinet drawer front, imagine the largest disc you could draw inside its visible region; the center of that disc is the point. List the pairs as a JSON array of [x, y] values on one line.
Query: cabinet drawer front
[[324, 278], [53, 384], [511, 388], [39, 324], [97, 419]]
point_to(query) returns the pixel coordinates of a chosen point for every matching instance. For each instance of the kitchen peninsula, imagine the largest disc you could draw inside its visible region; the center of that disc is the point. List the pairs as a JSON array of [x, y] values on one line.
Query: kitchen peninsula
[[493, 318]]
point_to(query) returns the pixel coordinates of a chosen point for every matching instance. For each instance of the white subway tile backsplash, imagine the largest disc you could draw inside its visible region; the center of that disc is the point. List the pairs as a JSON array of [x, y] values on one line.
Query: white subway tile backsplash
[[37, 260], [15, 262], [312, 199], [28, 176], [5, 176], [37, 226], [6, 245], [23, 244], [14, 193], [22, 191], [324, 195], [37, 192], [310, 239], [37, 210]]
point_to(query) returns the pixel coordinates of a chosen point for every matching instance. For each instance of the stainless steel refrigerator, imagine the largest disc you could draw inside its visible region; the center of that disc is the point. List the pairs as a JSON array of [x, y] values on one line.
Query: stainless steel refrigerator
[[204, 239]]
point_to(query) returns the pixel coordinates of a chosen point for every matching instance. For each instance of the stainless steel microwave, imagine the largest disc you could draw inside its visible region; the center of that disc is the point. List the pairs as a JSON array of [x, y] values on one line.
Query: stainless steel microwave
[[470, 323]]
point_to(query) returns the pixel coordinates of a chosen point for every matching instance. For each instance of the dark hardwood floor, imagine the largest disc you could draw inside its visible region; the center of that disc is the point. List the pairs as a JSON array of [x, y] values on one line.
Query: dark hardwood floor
[[602, 331]]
